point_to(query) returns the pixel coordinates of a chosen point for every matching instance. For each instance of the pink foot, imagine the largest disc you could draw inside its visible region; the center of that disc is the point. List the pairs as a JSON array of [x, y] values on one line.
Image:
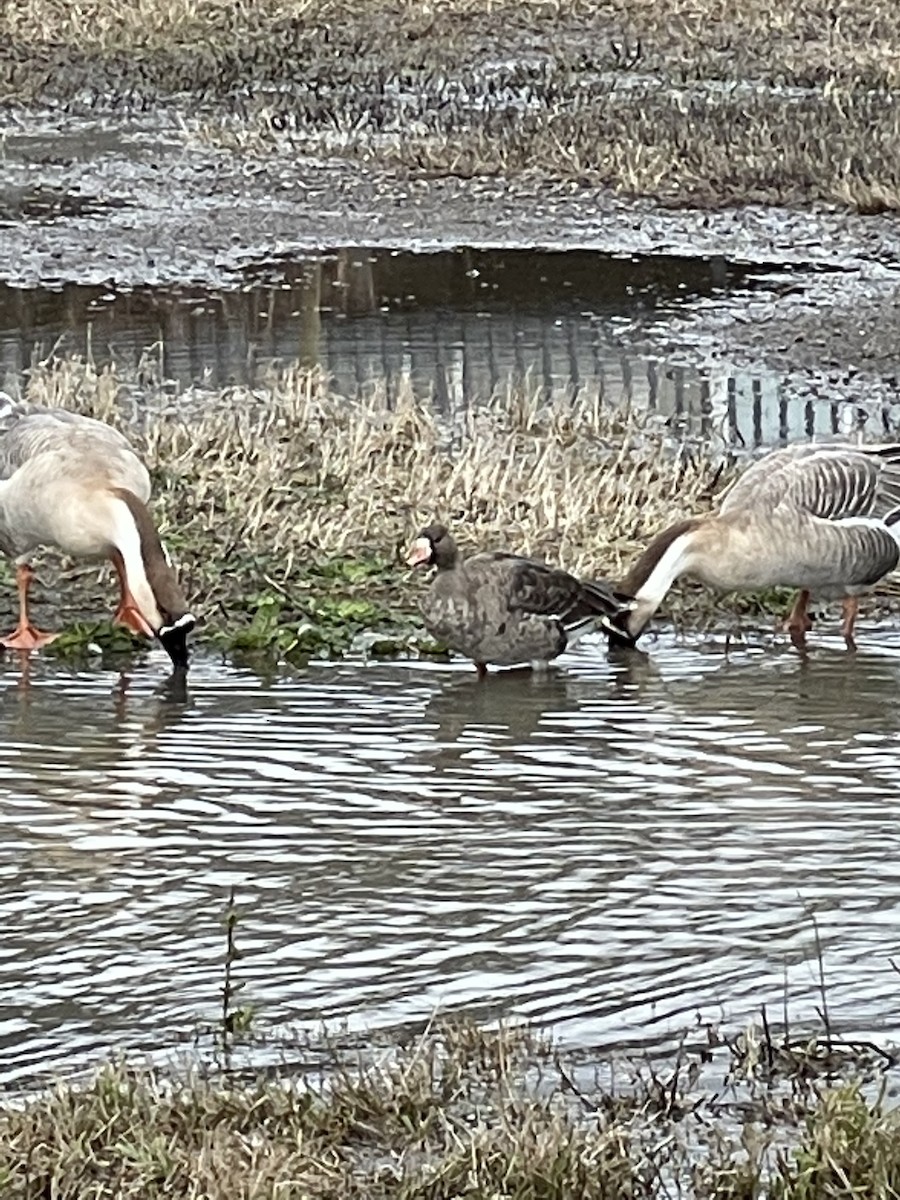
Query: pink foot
[[26, 637], [128, 615]]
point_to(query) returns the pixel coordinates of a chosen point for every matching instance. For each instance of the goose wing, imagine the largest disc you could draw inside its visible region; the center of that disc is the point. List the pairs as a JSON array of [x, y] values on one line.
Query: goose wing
[[827, 481], [532, 586], [27, 431], [537, 588]]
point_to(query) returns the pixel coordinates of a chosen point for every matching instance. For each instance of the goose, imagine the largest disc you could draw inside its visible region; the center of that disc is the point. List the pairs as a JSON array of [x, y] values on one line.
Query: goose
[[501, 608], [817, 517], [76, 483]]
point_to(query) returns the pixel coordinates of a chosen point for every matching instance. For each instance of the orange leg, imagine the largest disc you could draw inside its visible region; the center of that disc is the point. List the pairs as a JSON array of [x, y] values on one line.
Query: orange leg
[[851, 611], [128, 613], [25, 636], [798, 622]]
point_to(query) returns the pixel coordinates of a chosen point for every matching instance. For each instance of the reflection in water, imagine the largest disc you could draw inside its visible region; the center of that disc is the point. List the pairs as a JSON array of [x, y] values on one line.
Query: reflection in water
[[458, 324], [610, 847]]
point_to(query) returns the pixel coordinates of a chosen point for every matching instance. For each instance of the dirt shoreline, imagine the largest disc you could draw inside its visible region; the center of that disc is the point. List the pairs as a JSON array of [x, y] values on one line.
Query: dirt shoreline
[[130, 205]]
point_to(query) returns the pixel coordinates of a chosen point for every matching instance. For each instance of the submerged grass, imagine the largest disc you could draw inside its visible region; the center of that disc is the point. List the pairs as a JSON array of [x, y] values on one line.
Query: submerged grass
[[289, 508]]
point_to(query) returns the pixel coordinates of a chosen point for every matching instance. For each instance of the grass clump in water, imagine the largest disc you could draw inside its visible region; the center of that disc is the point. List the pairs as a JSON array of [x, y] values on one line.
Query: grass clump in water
[[454, 1114], [850, 1149]]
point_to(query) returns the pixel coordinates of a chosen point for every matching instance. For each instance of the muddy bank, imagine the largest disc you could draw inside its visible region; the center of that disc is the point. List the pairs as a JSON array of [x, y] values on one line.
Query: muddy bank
[[711, 104], [186, 145], [143, 203]]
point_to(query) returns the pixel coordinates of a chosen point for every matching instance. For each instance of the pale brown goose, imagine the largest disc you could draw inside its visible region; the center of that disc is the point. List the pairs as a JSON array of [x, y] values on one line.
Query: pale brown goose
[[76, 483], [820, 518], [504, 609]]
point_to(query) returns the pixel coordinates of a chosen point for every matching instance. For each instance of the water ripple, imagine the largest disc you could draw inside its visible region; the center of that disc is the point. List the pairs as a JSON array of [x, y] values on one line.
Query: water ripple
[[612, 848]]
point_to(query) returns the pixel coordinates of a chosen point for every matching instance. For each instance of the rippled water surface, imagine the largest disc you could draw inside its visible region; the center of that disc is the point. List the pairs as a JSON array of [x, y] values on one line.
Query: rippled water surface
[[610, 848]]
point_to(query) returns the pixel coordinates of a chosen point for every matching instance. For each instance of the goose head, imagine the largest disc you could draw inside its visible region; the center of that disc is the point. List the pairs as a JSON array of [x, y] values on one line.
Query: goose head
[[156, 618], [673, 553], [434, 547]]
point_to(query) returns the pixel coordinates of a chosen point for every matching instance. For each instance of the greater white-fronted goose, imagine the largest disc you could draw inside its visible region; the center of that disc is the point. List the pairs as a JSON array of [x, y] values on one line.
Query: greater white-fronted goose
[[75, 483], [504, 609], [820, 518]]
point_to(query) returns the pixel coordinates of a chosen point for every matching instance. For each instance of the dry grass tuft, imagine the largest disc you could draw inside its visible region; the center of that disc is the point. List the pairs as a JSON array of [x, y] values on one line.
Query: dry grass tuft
[[292, 493], [453, 1115], [455, 1112]]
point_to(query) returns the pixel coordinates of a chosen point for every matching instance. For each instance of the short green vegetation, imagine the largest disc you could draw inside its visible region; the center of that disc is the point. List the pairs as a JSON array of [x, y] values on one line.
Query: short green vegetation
[[83, 638]]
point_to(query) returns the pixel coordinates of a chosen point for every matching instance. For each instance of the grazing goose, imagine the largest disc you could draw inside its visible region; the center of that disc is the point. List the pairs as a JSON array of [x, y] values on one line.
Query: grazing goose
[[504, 609], [75, 483], [816, 517]]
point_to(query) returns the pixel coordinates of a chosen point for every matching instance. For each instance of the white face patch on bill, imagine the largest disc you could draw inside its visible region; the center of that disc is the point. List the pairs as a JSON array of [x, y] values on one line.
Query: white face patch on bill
[[421, 552]]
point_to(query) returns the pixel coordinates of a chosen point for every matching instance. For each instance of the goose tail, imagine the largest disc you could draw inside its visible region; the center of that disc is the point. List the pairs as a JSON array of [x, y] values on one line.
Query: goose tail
[[602, 600]]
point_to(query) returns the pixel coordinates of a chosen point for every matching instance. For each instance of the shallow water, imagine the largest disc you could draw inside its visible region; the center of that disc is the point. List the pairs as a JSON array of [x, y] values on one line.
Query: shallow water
[[610, 849], [457, 325]]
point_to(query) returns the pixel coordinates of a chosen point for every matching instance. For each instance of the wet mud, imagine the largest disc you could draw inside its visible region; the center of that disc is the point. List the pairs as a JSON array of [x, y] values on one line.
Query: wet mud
[[143, 204]]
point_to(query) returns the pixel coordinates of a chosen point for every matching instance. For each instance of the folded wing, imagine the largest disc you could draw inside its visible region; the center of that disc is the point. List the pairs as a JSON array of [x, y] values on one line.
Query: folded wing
[[830, 482]]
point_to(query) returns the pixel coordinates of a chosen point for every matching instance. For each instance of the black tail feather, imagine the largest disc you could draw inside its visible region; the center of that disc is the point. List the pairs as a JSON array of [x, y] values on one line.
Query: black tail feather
[[598, 597]]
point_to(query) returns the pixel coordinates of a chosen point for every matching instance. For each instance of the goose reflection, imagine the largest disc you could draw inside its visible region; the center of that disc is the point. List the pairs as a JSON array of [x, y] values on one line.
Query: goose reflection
[[67, 732]]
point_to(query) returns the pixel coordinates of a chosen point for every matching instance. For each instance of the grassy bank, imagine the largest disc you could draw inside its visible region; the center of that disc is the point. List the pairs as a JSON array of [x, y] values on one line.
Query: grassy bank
[[702, 102], [289, 508], [453, 1112]]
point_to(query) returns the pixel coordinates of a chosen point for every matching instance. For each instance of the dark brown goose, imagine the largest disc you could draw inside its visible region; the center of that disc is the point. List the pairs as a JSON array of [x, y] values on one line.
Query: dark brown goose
[[504, 609], [821, 518]]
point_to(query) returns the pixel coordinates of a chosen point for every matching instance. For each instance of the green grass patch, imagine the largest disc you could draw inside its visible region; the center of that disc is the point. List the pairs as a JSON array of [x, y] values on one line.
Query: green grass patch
[[84, 639]]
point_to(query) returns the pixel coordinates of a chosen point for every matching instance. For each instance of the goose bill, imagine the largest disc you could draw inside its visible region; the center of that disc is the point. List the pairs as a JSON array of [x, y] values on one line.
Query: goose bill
[[173, 639], [420, 553]]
